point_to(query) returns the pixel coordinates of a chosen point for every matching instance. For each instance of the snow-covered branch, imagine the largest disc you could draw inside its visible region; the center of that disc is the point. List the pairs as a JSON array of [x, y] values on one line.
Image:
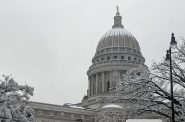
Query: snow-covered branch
[[14, 101]]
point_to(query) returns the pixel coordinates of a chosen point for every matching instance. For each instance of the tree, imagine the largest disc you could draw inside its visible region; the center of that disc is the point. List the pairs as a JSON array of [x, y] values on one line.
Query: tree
[[150, 90], [14, 104]]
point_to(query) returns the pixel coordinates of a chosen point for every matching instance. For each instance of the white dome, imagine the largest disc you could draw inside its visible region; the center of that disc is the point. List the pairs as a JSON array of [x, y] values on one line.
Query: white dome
[[118, 37]]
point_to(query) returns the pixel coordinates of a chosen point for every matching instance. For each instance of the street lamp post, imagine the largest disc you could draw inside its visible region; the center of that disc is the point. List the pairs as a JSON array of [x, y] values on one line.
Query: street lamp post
[[173, 43]]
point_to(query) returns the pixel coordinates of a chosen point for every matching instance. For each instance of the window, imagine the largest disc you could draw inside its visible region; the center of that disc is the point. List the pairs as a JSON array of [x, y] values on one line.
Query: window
[[115, 57], [67, 115], [129, 58], [122, 57], [139, 60], [45, 112], [102, 59], [36, 111], [135, 59], [108, 85], [87, 116], [39, 112], [56, 113], [138, 73], [77, 116], [51, 113], [108, 58], [97, 60], [115, 49]]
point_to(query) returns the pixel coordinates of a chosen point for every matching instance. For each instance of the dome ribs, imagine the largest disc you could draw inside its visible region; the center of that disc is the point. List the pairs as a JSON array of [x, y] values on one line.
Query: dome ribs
[[118, 37]]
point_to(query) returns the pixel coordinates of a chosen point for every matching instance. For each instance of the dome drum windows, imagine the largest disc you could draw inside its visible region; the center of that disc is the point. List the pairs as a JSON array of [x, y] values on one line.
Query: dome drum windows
[[116, 50], [115, 57], [129, 58], [119, 58]]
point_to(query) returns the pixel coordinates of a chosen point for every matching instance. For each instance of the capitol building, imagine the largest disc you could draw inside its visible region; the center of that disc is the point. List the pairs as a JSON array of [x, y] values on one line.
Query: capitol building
[[117, 52]]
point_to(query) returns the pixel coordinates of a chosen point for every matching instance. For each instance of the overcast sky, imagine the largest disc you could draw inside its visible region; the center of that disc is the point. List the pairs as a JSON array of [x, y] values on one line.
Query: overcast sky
[[49, 44]]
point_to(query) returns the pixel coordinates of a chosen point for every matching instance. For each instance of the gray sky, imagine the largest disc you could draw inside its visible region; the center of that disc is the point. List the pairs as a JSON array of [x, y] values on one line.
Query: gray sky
[[49, 44]]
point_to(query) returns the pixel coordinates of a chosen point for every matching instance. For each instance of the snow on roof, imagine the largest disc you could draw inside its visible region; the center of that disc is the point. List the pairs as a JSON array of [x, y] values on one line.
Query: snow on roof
[[111, 106], [75, 106]]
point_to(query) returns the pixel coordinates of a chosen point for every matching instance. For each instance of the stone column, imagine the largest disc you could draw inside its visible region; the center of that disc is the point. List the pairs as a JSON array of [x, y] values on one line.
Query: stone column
[[100, 83], [91, 79], [119, 75], [103, 82], [92, 84], [89, 87], [96, 83], [111, 78]]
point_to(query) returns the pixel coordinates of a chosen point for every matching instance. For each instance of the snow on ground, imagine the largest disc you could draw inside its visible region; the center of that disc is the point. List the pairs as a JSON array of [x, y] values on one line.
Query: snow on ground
[[144, 120]]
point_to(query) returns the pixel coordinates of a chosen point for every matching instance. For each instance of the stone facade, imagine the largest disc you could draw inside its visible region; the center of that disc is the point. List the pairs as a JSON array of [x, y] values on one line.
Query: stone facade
[[61, 113]]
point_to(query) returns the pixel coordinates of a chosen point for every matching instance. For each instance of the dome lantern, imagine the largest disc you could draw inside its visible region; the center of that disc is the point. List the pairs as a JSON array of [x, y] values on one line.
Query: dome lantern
[[117, 20]]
